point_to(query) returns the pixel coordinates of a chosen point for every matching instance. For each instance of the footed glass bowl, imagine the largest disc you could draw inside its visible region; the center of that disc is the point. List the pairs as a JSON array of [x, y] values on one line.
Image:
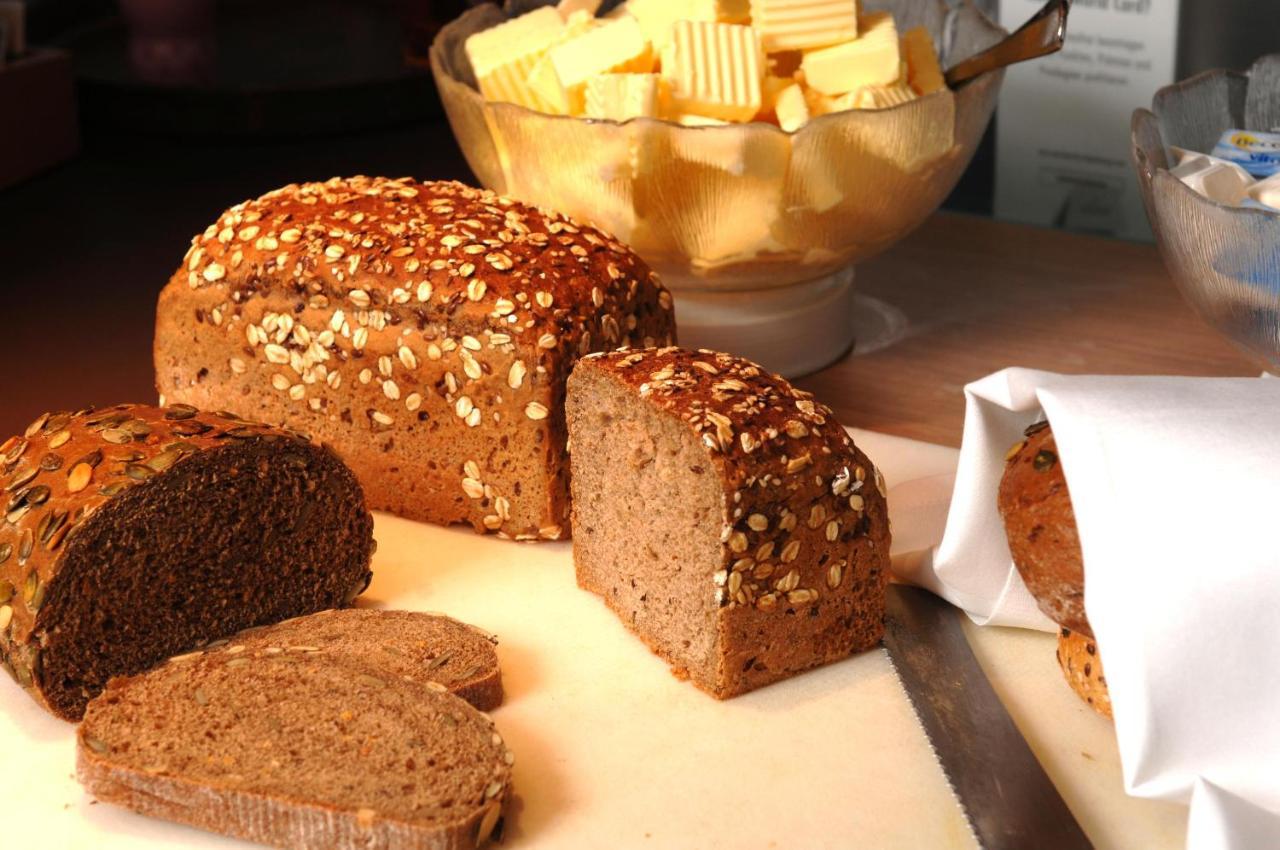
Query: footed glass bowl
[[1224, 259], [753, 228]]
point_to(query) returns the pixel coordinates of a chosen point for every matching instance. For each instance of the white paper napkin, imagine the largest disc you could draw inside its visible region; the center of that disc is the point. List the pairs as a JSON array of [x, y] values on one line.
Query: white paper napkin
[[1175, 484]]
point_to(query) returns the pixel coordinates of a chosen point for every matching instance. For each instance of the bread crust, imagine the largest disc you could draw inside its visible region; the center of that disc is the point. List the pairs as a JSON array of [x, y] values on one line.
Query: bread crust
[[72, 476], [804, 531], [1082, 666], [425, 330], [1041, 527]]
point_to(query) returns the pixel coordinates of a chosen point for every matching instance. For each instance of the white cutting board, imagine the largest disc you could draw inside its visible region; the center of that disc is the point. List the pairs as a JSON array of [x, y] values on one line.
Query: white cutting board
[[613, 751]]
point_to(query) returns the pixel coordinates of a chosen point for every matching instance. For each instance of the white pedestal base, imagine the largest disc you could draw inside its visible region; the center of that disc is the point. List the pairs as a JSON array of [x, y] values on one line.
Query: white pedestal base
[[792, 330]]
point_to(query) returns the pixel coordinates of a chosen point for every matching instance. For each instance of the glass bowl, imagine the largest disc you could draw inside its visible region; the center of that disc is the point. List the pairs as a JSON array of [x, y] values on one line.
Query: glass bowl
[[754, 229], [1224, 259]]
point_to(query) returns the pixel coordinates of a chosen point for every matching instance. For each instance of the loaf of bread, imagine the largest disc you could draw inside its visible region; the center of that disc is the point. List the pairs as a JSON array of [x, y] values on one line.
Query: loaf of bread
[[724, 515], [1041, 527], [403, 644], [424, 330], [133, 533], [1082, 665], [298, 750]]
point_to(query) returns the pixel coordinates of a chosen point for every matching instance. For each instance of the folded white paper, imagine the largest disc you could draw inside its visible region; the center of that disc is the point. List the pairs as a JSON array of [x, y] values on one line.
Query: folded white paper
[[1175, 483]]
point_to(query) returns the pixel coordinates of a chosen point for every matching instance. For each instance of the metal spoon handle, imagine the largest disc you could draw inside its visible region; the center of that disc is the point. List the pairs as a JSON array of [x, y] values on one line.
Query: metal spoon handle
[[1040, 36]]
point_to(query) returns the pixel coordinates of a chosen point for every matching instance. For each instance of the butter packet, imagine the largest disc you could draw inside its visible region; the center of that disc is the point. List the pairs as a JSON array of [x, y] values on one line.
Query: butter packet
[[1256, 152]]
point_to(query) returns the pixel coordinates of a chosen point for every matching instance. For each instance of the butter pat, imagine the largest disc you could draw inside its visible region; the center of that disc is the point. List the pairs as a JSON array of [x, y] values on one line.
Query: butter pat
[[803, 24], [658, 17], [791, 109], [871, 60], [924, 73], [611, 47], [503, 56], [1267, 192], [566, 8], [883, 97], [714, 70], [620, 97], [1216, 179], [549, 96]]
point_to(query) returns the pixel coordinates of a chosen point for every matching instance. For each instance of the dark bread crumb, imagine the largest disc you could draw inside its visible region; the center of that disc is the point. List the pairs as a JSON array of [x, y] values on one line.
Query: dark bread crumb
[[157, 530]]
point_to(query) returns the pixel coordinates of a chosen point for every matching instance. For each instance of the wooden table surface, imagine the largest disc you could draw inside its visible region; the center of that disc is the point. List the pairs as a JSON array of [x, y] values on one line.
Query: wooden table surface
[[87, 247]]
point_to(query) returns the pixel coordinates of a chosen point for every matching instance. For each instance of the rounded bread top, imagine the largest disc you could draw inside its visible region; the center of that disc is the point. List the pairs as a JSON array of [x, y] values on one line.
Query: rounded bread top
[[430, 252], [763, 428]]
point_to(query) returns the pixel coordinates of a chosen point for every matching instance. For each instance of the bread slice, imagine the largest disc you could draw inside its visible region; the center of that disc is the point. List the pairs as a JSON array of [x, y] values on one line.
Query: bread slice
[[133, 532], [292, 749], [404, 644], [724, 515]]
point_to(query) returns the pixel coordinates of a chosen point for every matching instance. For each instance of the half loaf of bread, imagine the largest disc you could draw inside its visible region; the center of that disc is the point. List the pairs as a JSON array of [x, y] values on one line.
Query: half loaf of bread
[[724, 515], [133, 533], [424, 330]]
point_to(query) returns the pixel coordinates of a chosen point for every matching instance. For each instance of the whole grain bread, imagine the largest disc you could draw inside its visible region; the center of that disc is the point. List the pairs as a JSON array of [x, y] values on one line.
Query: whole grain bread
[[133, 533], [295, 750], [724, 515], [1041, 527], [404, 644], [1082, 665], [425, 330]]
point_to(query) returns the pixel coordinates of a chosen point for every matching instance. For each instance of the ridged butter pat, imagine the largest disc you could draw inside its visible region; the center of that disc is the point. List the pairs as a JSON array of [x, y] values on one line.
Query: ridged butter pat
[[924, 72], [791, 109], [804, 24], [871, 60], [658, 17], [883, 97], [714, 70], [614, 46], [621, 97], [503, 56]]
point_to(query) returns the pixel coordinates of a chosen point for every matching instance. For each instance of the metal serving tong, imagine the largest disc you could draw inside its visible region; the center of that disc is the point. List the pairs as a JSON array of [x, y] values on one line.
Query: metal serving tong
[[1040, 36]]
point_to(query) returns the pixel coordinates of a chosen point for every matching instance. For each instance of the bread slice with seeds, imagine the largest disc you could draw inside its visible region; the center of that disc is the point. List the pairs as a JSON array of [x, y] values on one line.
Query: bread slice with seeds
[[724, 515], [297, 751], [133, 533], [404, 644], [425, 330]]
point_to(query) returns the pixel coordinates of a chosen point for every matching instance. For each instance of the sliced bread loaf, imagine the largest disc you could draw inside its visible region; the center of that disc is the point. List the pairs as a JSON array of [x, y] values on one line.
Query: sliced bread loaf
[[135, 532], [724, 515], [404, 644], [297, 751]]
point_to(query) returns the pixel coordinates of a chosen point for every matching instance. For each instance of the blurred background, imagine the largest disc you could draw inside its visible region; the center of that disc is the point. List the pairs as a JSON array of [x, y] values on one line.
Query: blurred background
[[127, 125]]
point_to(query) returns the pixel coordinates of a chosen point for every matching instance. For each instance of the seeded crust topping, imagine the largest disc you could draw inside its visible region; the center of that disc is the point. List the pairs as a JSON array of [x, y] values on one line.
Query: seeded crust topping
[[62, 470], [793, 474], [411, 301]]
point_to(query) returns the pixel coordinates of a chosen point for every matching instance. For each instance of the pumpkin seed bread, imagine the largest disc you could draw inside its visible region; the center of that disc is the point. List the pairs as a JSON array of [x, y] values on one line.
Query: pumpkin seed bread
[[1041, 527], [724, 515], [295, 750], [405, 644], [132, 533], [1082, 665], [425, 330]]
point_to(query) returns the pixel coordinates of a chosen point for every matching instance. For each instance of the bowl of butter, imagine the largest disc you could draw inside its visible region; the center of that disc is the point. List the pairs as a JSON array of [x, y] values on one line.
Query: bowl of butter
[[751, 151], [1207, 154]]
